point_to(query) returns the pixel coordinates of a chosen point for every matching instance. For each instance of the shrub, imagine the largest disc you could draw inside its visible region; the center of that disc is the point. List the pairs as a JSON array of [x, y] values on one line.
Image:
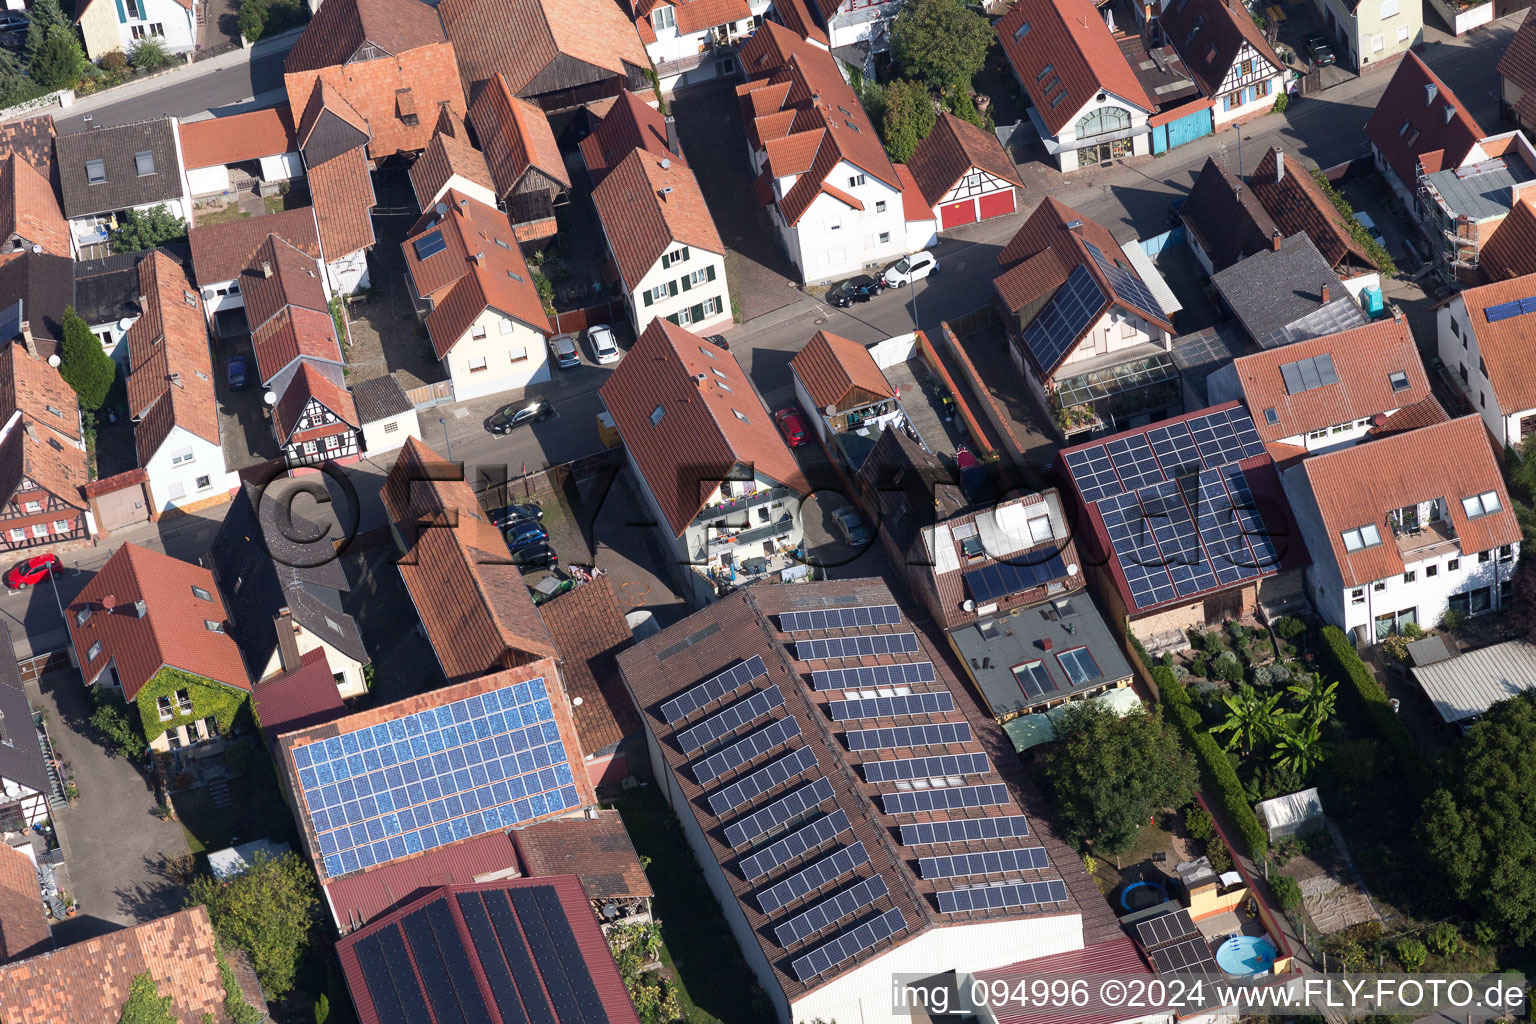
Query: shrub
[[113, 62], [145, 229], [1453, 620], [1139, 648], [1374, 249], [1228, 667], [252, 19], [1290, 627], [909, 117], [1198, 823], [110, 718], [149, 54], [1239, 633], [1216, 771], [1199, 667], [1411, 954], [1363, 700], [1484, 932], [1443, 939], [1220, 856], [57, 62], [1281, 102], [1287, 891]]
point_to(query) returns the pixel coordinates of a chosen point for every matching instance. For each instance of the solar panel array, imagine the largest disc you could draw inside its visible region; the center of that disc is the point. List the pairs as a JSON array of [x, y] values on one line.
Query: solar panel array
[[1000, 897], [901, 736], [1126, 284], [775, 773], [989, 862], [845, 904], [1188, 956], [848, 945], [928, 703], [1178, 512], [907, 672], [712, 689], [840, 618], [1310, 373], [1166, 928], [775, 734], [864, 646], [812, 877], [1056, 329], [926, 767], [1003, 578], [720, 725], [1505, 310], [374, 794], [769, 817], [949, 798], [964, 830], [796, 844]]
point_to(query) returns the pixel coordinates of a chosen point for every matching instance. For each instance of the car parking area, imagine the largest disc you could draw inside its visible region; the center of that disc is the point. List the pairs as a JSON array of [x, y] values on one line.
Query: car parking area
[[245, 424]]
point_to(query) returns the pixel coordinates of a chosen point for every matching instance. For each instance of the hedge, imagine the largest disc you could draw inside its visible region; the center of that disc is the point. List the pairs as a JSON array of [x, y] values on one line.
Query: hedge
[[1367, 704], [1220, 778]]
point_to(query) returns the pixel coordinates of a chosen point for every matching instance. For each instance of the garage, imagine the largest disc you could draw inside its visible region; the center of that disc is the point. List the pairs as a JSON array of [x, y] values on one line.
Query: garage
[[995, 204], [956, 214]]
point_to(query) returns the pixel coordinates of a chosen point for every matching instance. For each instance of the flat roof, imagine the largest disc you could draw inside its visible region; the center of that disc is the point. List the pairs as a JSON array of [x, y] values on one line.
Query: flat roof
[[1466, 686], [1481, 190]]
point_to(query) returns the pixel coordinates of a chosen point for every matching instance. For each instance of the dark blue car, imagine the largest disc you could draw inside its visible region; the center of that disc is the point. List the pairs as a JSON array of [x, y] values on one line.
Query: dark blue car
[[237, 379], [525, 534]]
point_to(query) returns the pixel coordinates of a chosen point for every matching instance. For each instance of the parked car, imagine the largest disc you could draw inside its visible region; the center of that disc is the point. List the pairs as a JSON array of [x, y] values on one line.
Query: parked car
[[508, 417], [1320, 51], [535, 557], [791, 426], [506, 515], [237, 378], [33, 570], [562, 349], [852, 527], [856, 289], [524, 534], [1370, 228], [718, 340], [604, 348], [910, 269]]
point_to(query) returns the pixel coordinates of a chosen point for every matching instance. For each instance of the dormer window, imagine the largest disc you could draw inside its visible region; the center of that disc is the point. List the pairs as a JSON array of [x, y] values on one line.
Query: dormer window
[[1399, 381], [663, 18], [1481, 504], [1367, 536], [212, 627], [95, 172]]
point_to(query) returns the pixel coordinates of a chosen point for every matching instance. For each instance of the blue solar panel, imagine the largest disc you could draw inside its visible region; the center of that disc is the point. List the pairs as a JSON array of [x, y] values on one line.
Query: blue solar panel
[[744, 751], [718, 726], [932, 735], [1134, 462], [845, 904], [1125, 283], [798, 843], [1505, 310], [712, 689], [964, 830], [1173, 529], [926, 767], [424, 780], [782, 811], [1093, 473], [987, 862], [944, 799], [792, 765], [929, 703], [1245, 507], [872, 675], [1135, 551], [1175, 449], [840, 618], [1062, 322], [1001, 579], [1222, 532], [848, 945], [866, 646], [997, 897], [812, 877]]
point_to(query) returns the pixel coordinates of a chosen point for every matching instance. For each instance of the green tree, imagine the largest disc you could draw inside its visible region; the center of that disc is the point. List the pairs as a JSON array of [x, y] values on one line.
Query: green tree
[[111, 720], [941, 43], [47, 19], [85, 367], [1109, 774], [909, 117], [145, 1004], [1479, 829], [1298, 750], [149, 54], [13, 78], [1315, 702], [252, 18], [1287, 891], [269, 912], [145, 229], [1251, 719], [58, 61], [323, 1009]]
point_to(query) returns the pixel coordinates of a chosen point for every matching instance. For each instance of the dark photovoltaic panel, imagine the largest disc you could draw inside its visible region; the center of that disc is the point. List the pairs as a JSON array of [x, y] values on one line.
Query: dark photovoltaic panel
[[1133, 461], [926, 767], [1126, 284], [864, 646], [1222, 531], [1175, 449], [872, 675], [493, 963], [989, 862], [1173, 530], [896, 737], [997, 897], [812, 877], [840, 618], [944, 799], [1003, 578], [1058, 326], [786, 808], [775, 773], [848, 945], [828, 912], [1189, 956], [1166, 928], [1505, 310], [439, 954], [796, 844], [712, 689], [1093, 473], [963, 830], [1217, 441], [1135, 551], [743, 751], [1246, 508], [391, 981], [558, 955], [720, 725], [1306, 374], [928, 703], [518, 958]]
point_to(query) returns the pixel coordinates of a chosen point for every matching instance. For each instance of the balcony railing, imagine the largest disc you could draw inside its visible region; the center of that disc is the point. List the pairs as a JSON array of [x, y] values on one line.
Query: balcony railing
[[735, 542], [1428, 540], [741, 504]]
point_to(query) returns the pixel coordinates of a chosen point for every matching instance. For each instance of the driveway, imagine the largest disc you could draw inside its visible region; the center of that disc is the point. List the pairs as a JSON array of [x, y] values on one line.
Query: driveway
[[113, 844]]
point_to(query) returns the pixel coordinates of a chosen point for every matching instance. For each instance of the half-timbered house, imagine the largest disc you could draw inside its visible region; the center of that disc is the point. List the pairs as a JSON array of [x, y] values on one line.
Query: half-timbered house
[[963, 173], [42, 454], [1223, 47], [316, 419]]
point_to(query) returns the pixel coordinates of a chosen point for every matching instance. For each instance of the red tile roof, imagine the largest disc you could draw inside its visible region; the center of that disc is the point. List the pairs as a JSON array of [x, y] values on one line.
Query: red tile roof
[[249, 136], [1511, 250], [32, 452], [1297, 204], [221, 251], [446, 157], [1518, 66], [589, 630], [360, 898], [389, 92], [703, 432], [516, 137], [951, 150], [796, 16], [1210, 34], [333, 38], [295, 332], [296, 700], [830, 366], [29, 209], [693, 16], [1362, 484], [1363, 359], [913, 206], [342, 191], [24, 929], [1420, 414], [647, 209], [630, 124], [172, 631], [178, 951], [1506, 345], [170, 337], [32, 137], [1419, 120], [521, 38], [596, 849], [309, 383], [279, 275], [1072, 47], [38, 390]]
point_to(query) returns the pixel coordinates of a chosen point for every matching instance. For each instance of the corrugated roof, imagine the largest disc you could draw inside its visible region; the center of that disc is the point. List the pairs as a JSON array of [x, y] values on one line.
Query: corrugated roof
[[1118, 958], [1064, 57], [360, 898], [1466, 686]]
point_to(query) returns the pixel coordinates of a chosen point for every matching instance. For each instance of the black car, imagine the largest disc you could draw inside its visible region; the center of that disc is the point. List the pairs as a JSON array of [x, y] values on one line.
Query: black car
[[856, 289], [536, 556], [518, 414], [718, 340], [506, 515], [1320, 51]]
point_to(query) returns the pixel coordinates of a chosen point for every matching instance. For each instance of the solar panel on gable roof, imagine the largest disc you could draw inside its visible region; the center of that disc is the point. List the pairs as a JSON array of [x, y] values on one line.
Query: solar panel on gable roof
[[389, 977], [775, 773], [840, 618], [712, 689], [930, 735], [1133, 461], [1003, 578], [1246, 509], [1136, 552], [928, 703], [743, 751], [1505, 310], [557, 955], [723, 723], [848, 945], [1221, 531], [483, 937], [1175, 449], [1093, 473], [952, 798], [796, 844], [866, 645], [1127, 285], [1173, 529], [857, 676], [812, 877], [1057, 327], [998, 897], [964, 830], [860, 896], [769, 817], [515, 952], [926, 767], [986, 862]]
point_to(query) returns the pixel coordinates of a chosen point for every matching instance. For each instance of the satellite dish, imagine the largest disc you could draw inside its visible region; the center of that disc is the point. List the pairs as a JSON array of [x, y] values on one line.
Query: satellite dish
[[666, 164], [269, 398], [968, 605], [1072, 569], [575, 702], [831, 410], [54, 360], [125, 323]]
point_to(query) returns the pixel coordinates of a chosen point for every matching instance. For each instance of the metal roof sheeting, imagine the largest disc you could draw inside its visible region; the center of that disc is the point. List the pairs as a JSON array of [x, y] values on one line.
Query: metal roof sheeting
[[1466, 686]]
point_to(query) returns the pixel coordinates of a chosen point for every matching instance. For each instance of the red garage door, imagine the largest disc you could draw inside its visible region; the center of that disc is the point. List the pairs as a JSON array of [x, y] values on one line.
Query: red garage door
[[955, 214], [995, 204]]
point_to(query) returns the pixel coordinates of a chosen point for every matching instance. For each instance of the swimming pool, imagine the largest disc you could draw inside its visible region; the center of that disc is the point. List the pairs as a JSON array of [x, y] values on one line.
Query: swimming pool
[[1243, 955], [1140, 895]]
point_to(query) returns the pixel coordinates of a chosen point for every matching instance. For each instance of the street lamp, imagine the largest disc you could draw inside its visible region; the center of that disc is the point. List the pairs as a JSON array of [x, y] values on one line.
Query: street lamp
[[442, 422]]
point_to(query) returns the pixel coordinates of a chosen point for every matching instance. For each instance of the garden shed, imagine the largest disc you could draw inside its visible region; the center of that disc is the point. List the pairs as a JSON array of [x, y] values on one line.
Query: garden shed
[[1292, 814]]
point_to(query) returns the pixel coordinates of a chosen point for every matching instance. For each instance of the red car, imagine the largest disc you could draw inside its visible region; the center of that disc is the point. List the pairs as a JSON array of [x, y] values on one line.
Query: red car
[[33, 570], [791, 426]]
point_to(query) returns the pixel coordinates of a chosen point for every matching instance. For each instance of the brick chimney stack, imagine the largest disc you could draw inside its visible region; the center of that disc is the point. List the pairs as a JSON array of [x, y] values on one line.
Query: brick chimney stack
[[1326, 295], [1279, 166], [1276, 239], [26, 338]]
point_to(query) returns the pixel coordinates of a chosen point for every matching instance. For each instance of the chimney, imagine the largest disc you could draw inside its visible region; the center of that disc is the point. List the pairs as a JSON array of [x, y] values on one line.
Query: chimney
[[1046, 644], [1075, 225], [1276, 239], [26, 338], [666, 191], [1397, 314], [1325, 294], [1279, 166], [479, 259], [266, 268], [1450, 112], [287, 642], [109, 602], [30, 429], [140, 609], [672, 142]]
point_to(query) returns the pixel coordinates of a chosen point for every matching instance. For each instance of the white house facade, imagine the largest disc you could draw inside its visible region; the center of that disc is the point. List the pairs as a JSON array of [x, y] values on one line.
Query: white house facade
[[832, 239], [686, 286], [1507, 407], [185, 469], [1250, 87], [689, 54], [497, 353], [108, 25], [1105, 128]]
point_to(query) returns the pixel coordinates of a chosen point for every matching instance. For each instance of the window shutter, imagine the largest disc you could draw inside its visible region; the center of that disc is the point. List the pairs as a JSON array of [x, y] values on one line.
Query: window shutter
[[710, 271], [698, 312], [666, 260], [684, 252], [671, 287], [673, 318], [647, 294], [686, 285]]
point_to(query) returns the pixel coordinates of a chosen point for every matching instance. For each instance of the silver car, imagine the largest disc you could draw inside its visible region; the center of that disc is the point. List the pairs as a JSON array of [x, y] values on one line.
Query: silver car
[[562, 349]]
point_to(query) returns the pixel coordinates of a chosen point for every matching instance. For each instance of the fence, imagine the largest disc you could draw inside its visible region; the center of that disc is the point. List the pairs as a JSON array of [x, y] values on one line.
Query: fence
[[41, 664], [429, 395], [984, 450], [574, 320], [494, 493], [57, 98]]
